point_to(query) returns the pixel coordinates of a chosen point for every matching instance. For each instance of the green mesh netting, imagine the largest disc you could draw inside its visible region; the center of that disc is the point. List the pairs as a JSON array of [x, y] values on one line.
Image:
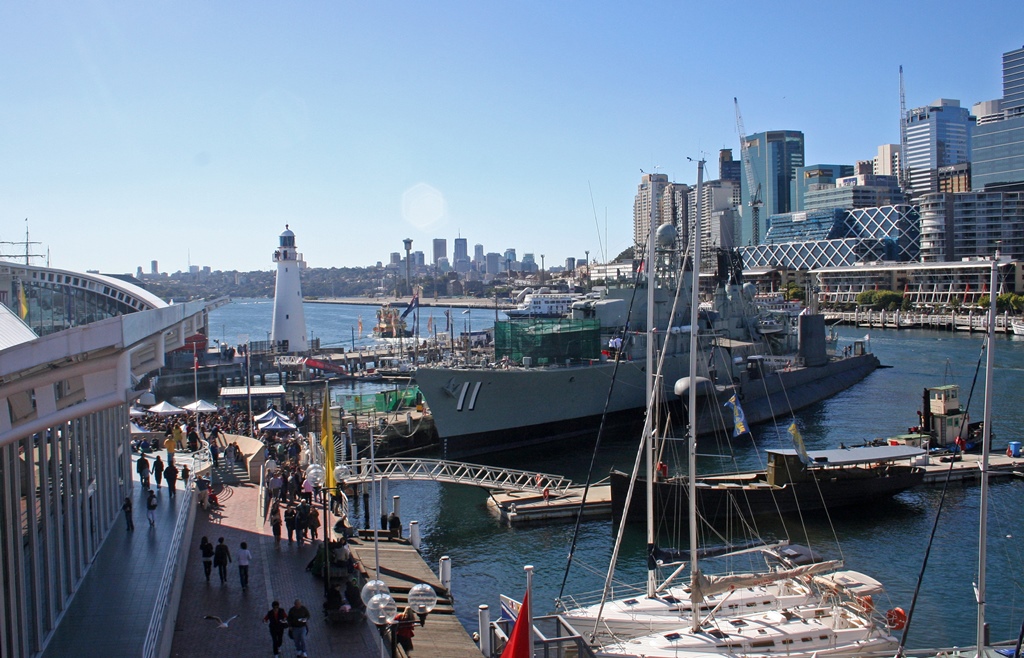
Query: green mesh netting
[[548, 341]]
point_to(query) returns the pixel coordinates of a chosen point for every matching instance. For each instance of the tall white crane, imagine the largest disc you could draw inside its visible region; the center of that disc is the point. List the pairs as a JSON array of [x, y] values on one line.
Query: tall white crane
[[753, 186], [904, 182]]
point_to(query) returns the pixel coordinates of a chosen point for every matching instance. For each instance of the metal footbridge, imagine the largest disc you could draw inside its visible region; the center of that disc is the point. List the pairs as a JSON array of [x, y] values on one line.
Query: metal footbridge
[[439, 470]]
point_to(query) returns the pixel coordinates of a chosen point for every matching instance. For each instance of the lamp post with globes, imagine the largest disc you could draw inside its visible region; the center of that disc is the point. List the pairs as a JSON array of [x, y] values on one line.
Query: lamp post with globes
[[317, 476]]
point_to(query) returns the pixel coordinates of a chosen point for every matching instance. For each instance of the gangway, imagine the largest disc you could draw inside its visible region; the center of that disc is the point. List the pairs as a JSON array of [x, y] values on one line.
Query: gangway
[[440, 470]]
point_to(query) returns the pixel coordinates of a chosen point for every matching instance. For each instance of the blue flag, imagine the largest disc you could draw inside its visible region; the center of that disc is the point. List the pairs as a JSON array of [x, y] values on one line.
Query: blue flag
[[739, 421], [798, 442]]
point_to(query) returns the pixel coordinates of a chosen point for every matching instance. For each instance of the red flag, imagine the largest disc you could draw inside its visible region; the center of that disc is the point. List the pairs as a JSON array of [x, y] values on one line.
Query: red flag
[[520, 641]]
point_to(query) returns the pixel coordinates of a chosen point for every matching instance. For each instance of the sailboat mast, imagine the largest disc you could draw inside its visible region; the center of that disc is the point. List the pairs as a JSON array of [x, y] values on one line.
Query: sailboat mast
[[986, 437], [650, 426], [695, 595]]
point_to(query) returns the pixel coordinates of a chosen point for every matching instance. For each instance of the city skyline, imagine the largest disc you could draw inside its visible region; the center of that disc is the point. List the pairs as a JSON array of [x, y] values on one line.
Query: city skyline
[[191, 134]]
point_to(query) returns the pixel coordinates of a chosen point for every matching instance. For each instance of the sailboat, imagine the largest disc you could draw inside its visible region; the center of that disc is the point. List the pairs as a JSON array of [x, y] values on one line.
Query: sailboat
[[795, 608]]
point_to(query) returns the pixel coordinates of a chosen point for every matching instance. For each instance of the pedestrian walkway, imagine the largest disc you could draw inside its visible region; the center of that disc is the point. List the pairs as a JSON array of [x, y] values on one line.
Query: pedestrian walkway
[[110, 614], [277, 573]]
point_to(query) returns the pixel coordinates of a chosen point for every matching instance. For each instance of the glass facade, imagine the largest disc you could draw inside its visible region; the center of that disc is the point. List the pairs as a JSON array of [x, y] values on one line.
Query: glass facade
[[61, 492], [1013, 79], [938, 135], [997, 153], [775, 156]]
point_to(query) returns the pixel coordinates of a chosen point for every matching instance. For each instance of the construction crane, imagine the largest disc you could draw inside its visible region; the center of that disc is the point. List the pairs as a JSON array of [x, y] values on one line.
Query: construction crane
[[753, 187], [903, 135]]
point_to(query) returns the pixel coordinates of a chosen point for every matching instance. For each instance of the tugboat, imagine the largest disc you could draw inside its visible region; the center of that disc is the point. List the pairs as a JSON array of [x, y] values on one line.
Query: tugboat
[[390, 323]]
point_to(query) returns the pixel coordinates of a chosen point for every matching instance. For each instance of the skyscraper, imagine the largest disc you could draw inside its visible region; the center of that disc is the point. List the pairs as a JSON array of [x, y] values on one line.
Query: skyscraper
[[938, 135], [460, 259], [648, 197], [440, 249], [997, 141], [775, 156], [478, 256]]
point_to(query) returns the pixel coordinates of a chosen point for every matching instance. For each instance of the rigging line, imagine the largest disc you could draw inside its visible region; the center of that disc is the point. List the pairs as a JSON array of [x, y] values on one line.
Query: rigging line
[[970, 395], [924, 563], [597, 440], [596, 222]]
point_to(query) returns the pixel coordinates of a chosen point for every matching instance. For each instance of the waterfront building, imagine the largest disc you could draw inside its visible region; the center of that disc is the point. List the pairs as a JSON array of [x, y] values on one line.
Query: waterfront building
[[962, 283], [938, 135], [647, 201], [288, 329], [775, 156], [478, 256], [51, 300], [65, 442], [440, 249], [460, 259], [834, 237], [817, 177], [968, 225]]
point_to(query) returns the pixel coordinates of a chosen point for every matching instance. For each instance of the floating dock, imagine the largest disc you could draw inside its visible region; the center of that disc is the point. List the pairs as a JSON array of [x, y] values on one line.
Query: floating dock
[[517, 507]]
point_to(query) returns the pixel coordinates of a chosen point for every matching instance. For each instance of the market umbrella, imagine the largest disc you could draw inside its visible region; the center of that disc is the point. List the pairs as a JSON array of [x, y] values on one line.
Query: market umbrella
[[166, 409], [201, 407], [276, 425], [269, 414]]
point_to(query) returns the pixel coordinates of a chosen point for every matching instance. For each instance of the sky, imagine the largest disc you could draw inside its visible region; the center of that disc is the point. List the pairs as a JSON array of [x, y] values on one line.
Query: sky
[[192, 132]]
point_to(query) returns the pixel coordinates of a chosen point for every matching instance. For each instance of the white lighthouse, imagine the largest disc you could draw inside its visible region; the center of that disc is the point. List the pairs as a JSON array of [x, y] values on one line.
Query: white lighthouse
[[288, 331]]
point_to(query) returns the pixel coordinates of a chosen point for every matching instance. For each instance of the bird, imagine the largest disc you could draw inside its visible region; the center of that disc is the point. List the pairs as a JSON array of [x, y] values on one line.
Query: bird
[[221, 623]]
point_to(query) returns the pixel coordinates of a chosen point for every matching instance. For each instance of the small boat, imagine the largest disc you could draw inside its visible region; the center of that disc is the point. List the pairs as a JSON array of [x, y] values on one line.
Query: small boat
[[543, 305], [766, 326], [1018, 327]]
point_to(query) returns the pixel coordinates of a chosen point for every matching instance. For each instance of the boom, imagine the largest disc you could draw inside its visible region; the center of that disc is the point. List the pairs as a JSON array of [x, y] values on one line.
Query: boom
[[753, 186]]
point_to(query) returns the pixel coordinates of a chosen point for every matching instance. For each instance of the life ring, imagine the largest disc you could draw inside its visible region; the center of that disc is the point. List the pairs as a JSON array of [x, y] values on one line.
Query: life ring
[[896, 619], [866, 602]]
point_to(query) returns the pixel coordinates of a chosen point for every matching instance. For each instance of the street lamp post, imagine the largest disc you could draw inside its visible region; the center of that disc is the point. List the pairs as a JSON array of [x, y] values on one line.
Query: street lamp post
[[542, 269], [408, 251], [587, 252]]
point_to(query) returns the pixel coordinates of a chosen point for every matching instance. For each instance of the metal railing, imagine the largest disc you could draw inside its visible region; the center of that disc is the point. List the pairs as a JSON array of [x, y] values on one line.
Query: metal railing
[[438, 470], [157, 621]]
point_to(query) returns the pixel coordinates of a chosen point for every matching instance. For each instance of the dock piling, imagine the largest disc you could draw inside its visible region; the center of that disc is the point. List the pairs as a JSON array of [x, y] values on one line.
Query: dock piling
[[414, 534], [445, 573], [484, 622]]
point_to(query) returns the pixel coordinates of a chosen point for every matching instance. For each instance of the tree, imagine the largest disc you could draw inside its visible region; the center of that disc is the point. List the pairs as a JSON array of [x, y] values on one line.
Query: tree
[[627, 254]]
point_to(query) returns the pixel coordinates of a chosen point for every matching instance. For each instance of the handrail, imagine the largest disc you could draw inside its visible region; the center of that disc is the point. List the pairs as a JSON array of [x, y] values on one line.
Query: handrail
[[157, 619], [439, 470]]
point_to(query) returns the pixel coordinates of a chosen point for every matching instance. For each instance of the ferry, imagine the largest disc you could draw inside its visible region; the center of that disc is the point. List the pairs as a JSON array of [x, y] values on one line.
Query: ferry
[[544, 305]]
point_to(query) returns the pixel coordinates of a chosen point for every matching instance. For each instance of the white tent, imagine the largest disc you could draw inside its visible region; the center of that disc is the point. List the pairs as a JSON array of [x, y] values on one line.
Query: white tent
[[135, 412], [166, 409], [200, 406]]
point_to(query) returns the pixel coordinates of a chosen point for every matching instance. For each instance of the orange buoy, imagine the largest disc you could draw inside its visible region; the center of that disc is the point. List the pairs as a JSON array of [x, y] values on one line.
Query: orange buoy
[[866, 602], [896, 619]]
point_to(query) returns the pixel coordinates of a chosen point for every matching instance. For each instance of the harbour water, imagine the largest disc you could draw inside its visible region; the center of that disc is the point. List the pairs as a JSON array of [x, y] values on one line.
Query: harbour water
[[886, 541]]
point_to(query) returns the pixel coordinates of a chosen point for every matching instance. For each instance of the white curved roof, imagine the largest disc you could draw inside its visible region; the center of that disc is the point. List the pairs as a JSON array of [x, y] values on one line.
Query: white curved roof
[[133, 295]]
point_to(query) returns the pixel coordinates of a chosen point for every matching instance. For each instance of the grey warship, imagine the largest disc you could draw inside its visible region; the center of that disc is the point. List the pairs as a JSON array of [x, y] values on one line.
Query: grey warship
[[554, 380]]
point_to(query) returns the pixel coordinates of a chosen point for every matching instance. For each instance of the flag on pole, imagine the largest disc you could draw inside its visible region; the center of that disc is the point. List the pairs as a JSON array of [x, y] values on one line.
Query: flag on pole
[[798, 441], [430, 324], [360, 321], [739, 420], [412, 305], [447, 320], [327, 438], [22, 302], [520, 640]]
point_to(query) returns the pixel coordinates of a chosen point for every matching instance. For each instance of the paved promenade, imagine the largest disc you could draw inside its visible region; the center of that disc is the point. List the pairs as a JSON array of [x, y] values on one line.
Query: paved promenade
[[277, 573]]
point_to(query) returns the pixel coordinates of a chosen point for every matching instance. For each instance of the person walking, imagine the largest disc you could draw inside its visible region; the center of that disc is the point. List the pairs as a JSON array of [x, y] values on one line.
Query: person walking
[[275, 523], [127, 507], [142, 468], [297, 618], [215, 454], [404, 622], [171, 475], [277, 619], [314, 524], [151, 504], [302, 522], [289, 522], [206, 550], [158, 470], [221, 557], [244, 558]]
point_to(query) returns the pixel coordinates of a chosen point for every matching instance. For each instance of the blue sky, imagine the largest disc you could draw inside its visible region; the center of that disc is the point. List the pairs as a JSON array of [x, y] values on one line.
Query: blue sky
[[178, 131]]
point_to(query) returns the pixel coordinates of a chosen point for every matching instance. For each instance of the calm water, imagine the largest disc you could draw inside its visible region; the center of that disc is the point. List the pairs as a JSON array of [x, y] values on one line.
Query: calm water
[[886, 542]]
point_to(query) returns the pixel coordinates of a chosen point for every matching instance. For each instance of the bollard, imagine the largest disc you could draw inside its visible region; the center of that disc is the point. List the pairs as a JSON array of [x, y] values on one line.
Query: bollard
[[414, 534], [395, 505], [445, 574], [383, 503], [484, 621]]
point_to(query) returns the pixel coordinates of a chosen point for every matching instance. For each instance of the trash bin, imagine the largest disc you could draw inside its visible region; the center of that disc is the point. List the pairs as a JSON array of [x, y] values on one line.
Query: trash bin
[[1013, 449]]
